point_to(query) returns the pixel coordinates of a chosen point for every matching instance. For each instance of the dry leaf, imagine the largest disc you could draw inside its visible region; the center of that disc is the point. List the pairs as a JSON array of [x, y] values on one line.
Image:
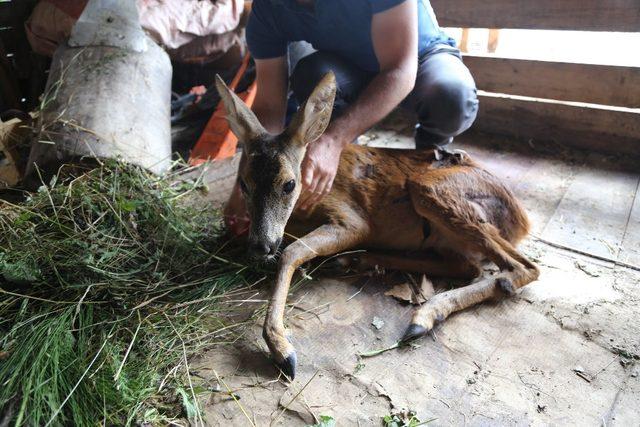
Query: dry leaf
[[425, 292], [402, 292], [411, 293]]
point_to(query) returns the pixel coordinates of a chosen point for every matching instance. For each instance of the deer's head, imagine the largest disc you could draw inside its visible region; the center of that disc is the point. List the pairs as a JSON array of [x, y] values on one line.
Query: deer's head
[[269, 172]]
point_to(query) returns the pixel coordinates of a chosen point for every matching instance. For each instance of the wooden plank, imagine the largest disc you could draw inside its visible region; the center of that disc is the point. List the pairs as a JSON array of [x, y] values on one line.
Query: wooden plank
[[613, 130], [593, 215], [542, 189], [595, 84], [586, 15], [630, 250]]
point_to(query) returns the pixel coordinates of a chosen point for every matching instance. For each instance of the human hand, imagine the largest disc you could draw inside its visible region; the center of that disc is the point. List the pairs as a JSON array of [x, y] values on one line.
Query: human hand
[[319, 169]]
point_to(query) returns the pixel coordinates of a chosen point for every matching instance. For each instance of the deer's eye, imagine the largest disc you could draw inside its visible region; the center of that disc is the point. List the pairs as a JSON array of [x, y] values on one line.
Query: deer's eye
[[243, 187], [289, 186]]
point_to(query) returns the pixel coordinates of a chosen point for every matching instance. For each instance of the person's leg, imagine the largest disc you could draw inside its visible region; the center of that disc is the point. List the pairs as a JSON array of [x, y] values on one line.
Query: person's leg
[[444, 98], [309, 70]]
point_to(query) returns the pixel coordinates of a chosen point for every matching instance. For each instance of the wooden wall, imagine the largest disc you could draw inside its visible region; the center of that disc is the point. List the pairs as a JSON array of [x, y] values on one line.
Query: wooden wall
[[588, 106], [585, 15]]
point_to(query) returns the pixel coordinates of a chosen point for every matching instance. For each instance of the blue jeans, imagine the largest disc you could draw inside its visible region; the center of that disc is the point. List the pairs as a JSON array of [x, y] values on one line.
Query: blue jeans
[[444, 96]]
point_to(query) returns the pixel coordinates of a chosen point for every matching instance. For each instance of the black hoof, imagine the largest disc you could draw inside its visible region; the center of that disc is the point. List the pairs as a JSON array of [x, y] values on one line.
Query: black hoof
[[288, 366], [506, 286], [414, 331]]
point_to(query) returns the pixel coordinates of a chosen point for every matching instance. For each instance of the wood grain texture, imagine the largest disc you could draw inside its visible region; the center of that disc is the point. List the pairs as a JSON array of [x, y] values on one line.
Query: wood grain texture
[[542, 189], [594, 212], [630, 250], [586, 15], [592, 128], [595, 84]]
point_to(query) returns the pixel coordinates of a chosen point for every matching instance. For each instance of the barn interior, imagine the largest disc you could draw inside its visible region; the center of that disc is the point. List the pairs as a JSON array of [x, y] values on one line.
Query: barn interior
[[563, 135]]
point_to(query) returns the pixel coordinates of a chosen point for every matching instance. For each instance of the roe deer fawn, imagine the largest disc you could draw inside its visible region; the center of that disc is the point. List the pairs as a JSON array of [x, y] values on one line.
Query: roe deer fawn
[[405, 201]]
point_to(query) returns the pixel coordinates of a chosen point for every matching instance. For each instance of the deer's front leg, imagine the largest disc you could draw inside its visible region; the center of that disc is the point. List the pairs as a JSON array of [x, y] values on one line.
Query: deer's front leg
[[326, 240]]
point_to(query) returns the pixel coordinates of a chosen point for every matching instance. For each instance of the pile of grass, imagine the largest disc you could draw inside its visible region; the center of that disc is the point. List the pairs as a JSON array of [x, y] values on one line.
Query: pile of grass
[[108, 285]]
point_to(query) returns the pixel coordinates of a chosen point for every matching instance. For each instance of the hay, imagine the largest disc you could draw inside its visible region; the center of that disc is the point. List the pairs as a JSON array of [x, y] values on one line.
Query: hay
[[107, 287]]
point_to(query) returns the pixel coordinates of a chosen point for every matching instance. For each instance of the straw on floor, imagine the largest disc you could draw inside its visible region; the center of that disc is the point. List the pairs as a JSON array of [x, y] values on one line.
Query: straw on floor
[[108, 285]]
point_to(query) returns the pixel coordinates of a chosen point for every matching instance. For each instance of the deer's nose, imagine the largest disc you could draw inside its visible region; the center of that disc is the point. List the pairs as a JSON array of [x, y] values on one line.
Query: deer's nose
[[260, 249]]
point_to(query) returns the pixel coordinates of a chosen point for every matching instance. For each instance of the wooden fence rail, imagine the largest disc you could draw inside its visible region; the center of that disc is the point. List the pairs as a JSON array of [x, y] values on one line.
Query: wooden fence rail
[[585, 15], [594, 84]]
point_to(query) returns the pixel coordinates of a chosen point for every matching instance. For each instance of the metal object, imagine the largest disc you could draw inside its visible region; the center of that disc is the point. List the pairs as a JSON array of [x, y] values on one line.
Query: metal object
[[108, 94]]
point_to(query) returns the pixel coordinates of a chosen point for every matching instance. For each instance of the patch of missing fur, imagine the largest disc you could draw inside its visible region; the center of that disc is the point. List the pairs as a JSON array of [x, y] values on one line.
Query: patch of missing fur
[[369, 171], [365, 171]]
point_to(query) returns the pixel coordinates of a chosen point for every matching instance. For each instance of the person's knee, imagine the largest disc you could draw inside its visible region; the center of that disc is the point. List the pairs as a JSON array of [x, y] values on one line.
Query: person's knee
[[307, 73], [350, 79], [451, 106]]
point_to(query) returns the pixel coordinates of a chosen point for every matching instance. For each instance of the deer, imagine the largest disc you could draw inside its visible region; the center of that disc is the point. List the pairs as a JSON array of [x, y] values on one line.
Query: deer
[[434, 212]]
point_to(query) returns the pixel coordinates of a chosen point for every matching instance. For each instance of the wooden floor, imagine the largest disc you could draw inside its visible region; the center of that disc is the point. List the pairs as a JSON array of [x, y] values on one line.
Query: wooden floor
[[563, 351]]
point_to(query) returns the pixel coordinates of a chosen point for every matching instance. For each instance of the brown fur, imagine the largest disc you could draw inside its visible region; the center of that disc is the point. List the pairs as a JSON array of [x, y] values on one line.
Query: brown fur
[[384, 200]]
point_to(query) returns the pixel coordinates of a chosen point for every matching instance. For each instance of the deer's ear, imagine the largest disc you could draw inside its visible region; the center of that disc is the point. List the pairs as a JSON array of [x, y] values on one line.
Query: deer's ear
[[243, 122], [313, 117]]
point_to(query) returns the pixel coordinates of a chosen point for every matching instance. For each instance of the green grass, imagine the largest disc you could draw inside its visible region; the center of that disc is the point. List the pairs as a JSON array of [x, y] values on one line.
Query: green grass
[[108, 285]]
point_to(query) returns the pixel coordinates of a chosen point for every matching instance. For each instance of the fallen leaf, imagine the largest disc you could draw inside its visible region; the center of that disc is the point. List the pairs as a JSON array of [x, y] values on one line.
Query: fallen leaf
[[425, 292], [401, 292]]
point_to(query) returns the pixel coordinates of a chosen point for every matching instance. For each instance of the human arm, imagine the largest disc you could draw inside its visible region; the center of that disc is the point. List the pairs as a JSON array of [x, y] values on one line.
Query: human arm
[[395, 40], [271, 97]]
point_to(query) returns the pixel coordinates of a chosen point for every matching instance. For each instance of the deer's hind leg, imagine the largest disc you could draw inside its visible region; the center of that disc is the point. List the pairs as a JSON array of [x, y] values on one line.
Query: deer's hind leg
[[466, 231], [449, 265]]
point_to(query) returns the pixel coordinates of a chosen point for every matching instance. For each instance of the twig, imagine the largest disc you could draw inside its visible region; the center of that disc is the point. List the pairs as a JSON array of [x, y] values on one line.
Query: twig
[[233, 396], [359, 290], [373, 353], [583, 376], [593, 377]]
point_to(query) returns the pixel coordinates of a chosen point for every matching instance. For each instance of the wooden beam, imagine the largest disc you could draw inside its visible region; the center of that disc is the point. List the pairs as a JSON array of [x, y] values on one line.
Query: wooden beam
[[586, 15], [611, 130], [594, 84]]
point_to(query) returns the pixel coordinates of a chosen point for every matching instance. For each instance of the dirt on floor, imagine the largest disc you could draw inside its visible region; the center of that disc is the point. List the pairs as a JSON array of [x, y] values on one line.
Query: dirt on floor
[[563, 351]]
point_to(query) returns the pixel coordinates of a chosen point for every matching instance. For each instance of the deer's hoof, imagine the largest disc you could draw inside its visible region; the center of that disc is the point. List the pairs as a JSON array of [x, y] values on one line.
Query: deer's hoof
[[288, 365], [413, 332]]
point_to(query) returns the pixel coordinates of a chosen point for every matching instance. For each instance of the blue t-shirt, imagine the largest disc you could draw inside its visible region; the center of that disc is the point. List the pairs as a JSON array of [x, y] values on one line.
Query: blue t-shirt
[[339, 26]]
